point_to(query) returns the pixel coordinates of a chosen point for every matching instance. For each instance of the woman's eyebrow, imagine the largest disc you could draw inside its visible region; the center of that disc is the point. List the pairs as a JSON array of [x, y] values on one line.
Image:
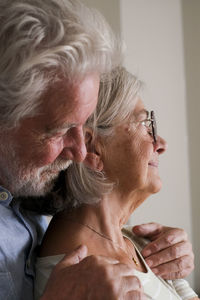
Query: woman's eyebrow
[[142, 112]]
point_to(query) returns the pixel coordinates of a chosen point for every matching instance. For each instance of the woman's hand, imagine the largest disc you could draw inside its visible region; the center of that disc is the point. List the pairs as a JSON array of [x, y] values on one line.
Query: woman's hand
[[92, 277], [169, 254]]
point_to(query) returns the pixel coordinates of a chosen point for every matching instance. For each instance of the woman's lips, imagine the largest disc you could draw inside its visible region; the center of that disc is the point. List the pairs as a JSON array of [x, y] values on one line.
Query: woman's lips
[[153, 164]]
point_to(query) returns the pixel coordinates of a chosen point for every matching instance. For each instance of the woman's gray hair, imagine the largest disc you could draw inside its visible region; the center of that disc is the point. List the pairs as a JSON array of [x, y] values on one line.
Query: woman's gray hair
[[42, 40], [117, 98]]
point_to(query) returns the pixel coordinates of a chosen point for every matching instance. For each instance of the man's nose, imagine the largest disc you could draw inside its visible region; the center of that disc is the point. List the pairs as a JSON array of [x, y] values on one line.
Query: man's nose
[[74, 145], [80, 150]]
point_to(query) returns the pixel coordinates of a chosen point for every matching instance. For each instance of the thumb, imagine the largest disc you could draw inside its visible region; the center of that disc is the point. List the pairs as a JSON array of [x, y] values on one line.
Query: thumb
[[75, 257], [149, 230]]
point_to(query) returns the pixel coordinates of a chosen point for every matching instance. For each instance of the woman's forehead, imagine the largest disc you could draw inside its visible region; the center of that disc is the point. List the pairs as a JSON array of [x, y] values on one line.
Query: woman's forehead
[[140, 109]]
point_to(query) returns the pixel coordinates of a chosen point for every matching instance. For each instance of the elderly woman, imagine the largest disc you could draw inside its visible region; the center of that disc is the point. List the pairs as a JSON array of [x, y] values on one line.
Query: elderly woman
[[120, 172]]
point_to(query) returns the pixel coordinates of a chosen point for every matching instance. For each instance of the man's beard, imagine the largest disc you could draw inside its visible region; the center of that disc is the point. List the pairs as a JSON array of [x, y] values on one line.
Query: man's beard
[[24, 181], [37, 182]]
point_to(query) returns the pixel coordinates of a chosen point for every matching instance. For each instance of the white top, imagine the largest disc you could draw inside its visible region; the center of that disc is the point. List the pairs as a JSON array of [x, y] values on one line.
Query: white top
[[154, 287]]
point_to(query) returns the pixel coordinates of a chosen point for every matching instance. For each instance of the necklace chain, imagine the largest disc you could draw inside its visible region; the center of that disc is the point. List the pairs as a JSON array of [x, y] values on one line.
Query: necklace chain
[[103, 236]]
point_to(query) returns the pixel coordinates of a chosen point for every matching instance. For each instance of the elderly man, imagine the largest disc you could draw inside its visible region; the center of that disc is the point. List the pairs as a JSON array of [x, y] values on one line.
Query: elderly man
[[53, 55]]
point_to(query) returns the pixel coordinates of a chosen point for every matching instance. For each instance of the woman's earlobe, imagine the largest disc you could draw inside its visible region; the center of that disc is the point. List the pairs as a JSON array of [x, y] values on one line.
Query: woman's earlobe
[[93, 161]]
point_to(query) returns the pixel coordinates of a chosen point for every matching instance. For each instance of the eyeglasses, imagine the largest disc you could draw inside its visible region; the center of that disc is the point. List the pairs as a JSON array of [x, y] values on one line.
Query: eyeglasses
[[150, 122]]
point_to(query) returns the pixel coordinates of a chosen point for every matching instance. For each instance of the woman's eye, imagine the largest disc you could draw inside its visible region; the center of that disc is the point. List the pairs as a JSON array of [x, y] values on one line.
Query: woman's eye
[[145, 123]]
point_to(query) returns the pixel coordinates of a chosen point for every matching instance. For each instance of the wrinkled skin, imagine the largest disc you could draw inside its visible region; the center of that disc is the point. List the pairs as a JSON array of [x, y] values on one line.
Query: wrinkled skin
[[169, 251], [78, 277], [169, 254]]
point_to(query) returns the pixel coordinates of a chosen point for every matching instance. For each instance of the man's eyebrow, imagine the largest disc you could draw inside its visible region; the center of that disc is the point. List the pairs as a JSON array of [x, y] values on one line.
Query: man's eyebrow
[[52, 130]]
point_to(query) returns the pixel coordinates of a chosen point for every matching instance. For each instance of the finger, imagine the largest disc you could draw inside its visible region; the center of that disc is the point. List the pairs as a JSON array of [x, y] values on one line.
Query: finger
[[123, 270], [131, 284], [177, 275], [169, 254], [136, 295], [101, 260], [75, 256], [167, 239], [177, 268], [148, 230]]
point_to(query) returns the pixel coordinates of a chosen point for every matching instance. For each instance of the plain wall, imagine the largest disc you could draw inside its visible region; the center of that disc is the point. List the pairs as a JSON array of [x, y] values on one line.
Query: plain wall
[[191, 26], [110, 10], [154, 34]]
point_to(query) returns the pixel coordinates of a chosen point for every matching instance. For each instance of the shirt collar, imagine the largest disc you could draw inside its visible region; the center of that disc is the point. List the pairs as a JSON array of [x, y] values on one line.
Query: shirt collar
[[5, 197]]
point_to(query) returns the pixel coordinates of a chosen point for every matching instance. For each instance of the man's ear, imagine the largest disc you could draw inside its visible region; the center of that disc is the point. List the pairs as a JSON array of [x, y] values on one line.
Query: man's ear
[[93, 158]]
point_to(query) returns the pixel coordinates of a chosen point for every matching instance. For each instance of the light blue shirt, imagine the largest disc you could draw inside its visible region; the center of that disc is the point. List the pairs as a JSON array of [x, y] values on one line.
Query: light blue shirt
[[20, 233]]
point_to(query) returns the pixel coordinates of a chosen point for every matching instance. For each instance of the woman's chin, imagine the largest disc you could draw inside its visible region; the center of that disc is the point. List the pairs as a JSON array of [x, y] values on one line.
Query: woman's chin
[[151, 187], [156, 186], [154, 182]]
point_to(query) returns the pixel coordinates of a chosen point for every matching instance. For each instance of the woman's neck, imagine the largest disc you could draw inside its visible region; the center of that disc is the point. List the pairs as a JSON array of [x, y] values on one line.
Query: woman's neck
[[105, 218], [97, 226]]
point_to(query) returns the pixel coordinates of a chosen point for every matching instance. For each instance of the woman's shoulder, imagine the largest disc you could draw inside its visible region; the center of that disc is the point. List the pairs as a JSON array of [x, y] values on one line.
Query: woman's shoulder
[[43, 269], [140, 242]]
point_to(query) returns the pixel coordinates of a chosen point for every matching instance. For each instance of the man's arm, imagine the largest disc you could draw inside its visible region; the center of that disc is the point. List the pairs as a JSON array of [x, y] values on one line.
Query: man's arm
[[169, 254], [78, 277]]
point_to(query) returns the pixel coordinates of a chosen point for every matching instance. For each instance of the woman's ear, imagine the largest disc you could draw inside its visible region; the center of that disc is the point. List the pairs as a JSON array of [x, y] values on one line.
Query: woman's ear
[[93, 157]]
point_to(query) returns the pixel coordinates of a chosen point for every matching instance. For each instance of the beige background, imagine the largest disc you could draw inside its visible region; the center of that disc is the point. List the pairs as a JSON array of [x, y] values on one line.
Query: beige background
[[163, 50]]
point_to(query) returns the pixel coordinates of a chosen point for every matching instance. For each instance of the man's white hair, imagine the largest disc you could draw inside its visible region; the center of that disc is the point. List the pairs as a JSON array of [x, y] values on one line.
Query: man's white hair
[[42, 41]]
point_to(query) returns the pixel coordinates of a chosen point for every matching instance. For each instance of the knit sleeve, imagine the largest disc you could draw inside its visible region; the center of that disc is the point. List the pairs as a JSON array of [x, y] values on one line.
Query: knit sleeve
[[183, 289]]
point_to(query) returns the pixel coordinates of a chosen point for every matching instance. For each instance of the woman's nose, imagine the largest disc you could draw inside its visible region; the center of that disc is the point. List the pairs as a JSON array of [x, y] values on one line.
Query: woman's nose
[[161, 145]]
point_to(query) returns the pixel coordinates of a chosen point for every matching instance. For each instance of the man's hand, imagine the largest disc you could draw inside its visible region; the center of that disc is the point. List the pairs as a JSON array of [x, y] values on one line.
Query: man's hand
[[78, 277], [169, 254]]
